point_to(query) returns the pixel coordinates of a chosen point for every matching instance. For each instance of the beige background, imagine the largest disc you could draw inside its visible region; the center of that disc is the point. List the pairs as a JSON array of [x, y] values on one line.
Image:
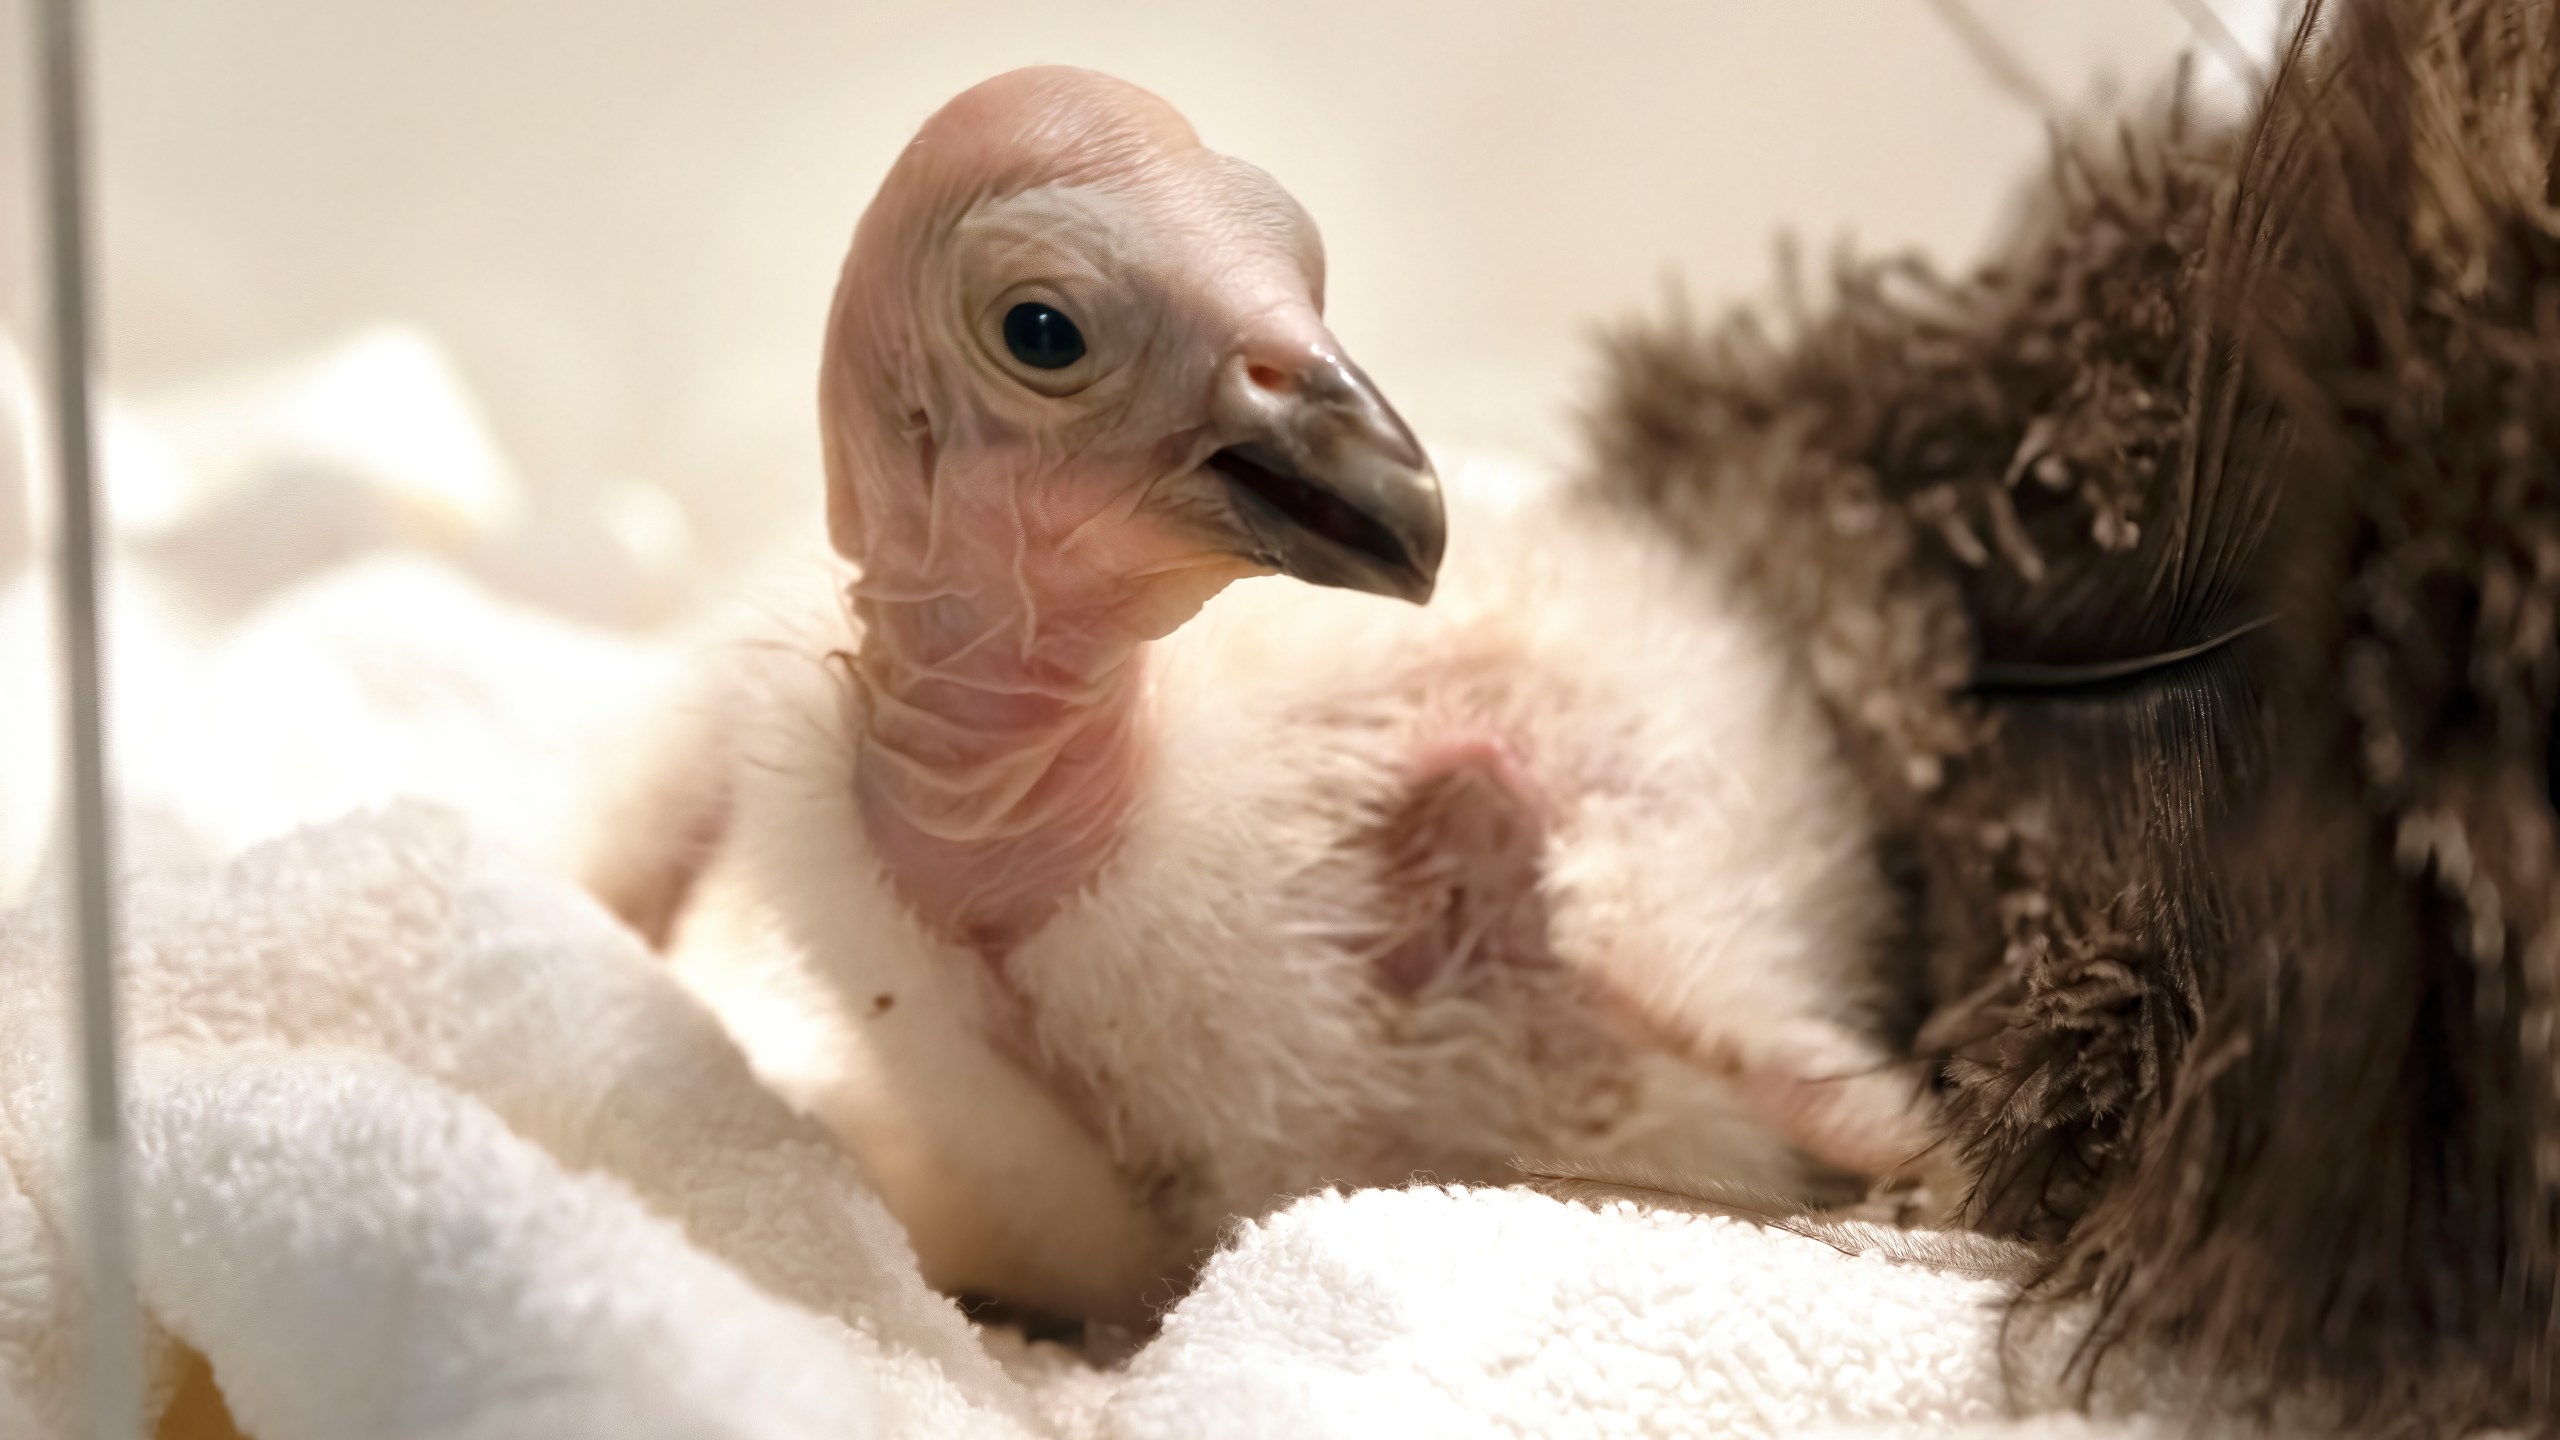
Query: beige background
[[624, 215]]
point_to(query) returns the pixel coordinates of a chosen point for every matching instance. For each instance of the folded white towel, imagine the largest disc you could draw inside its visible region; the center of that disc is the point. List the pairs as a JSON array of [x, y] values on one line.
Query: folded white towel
[[427, 1145], [363, 1252]]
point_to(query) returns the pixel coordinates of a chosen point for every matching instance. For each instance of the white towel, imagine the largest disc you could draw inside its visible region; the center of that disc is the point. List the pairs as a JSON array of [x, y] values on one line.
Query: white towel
[[427, 1145], [1455, 1312]]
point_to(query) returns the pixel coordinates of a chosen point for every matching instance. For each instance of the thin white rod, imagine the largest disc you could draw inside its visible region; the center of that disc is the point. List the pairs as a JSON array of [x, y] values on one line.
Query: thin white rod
[[111, 1358]]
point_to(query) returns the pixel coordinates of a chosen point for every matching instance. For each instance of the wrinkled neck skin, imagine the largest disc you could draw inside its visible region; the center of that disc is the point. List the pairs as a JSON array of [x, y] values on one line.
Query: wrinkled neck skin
[[999, 687]]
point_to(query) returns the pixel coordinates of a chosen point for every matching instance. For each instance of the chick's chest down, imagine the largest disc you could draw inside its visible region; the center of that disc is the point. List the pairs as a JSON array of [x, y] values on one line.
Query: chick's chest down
[[1556, 867]]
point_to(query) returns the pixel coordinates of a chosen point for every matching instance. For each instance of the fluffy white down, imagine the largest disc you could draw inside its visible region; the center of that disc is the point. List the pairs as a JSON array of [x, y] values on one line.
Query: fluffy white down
[[1201, 1032]]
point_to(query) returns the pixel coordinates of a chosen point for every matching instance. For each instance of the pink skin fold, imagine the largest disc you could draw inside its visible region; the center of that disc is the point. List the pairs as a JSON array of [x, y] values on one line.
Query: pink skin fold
[[1021, 535]]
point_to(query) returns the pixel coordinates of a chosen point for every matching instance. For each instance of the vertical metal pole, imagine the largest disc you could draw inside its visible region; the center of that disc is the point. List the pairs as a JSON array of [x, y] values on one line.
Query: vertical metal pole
[[111, 1359]]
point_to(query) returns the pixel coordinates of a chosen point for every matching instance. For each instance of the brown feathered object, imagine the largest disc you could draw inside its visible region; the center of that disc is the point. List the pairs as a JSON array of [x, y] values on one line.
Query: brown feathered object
[[2186, 587]]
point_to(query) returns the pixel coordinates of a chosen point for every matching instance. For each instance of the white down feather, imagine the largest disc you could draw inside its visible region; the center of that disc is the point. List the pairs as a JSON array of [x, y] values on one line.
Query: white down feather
[[1202, 1031]]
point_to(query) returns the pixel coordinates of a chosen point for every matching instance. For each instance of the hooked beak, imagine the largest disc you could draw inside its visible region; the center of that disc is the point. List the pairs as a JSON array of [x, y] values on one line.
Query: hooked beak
[[1329, 486]]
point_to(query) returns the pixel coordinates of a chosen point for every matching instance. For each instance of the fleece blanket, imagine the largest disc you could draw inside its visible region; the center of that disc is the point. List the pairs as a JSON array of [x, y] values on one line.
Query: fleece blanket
[[427, 1145]]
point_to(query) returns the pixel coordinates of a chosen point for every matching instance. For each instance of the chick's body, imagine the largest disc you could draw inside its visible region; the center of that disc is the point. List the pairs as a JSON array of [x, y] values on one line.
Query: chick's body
[[1556, 867], [1095, 900]]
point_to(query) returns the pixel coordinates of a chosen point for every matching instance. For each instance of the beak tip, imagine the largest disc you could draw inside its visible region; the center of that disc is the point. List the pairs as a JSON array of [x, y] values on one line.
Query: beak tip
[[1336, 490], [1430, 544]]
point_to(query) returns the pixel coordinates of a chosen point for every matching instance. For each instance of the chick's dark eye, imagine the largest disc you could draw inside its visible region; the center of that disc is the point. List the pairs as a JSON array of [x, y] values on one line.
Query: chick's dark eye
[[1041, 337]]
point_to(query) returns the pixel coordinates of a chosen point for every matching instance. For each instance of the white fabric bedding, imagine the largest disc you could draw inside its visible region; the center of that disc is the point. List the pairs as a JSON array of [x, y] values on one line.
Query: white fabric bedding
[[428, 1146]]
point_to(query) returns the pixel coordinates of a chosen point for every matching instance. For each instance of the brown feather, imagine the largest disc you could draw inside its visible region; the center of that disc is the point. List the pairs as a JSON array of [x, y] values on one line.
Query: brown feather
[[2241, 974]]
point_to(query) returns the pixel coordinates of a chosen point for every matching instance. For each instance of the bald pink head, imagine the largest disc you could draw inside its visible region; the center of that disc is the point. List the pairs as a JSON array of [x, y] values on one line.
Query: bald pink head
[[1077, 380], [1193, 284]]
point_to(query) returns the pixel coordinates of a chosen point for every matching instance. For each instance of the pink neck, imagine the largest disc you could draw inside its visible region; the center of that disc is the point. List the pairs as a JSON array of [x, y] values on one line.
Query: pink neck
[[996, 756]]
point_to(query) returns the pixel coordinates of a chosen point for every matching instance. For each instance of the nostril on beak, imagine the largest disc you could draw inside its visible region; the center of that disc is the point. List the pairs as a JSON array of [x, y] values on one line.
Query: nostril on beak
[[1271, 378]]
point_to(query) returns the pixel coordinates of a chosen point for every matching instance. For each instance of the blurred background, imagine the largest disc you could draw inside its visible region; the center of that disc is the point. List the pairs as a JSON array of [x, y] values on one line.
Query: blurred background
[[535, 289], [622, 217]]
